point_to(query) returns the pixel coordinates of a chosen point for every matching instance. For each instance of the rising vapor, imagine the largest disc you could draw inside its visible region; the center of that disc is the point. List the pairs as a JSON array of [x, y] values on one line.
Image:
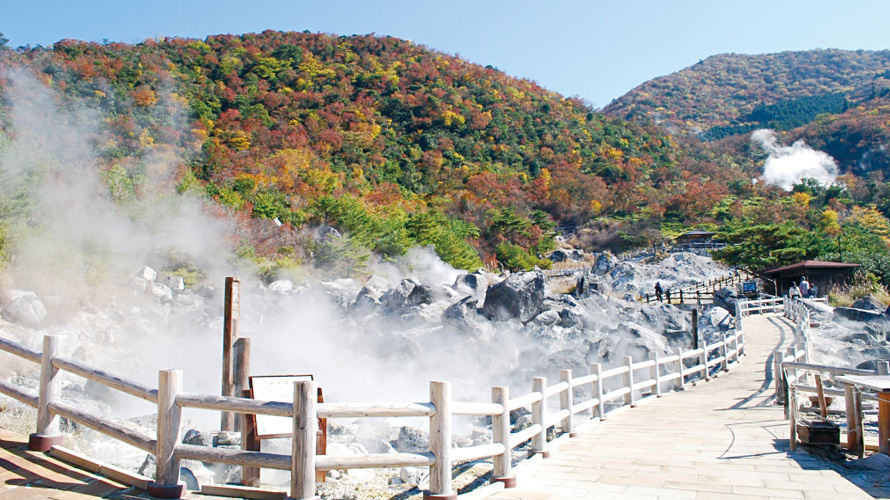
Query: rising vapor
[[788, 165]]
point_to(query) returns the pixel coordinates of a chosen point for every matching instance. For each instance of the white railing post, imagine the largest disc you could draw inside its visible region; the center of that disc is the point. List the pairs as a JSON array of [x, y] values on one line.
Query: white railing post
[[724, 350], [539, 416], [500, 429], [655, 372], [629, 398], [778, 377], [440, 442], [680, 381], [703, 360], [598, 390], [740, 342], [566, 401], [305, 435], [48, 434], [166, 483]]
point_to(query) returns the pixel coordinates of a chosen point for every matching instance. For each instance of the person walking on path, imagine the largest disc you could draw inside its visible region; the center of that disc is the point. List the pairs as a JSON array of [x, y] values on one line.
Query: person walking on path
[[793, 291], [804, 287], [658, 291]]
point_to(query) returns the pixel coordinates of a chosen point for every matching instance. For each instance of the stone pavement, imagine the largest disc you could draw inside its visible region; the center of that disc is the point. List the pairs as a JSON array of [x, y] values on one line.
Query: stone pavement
[[723, 439]]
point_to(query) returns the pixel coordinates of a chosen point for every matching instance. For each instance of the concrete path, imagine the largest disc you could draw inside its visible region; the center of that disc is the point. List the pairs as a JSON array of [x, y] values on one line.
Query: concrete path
[[724, 439]]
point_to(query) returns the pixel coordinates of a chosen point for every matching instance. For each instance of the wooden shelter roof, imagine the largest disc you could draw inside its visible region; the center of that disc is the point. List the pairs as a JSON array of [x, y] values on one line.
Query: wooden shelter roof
[[812, 264]]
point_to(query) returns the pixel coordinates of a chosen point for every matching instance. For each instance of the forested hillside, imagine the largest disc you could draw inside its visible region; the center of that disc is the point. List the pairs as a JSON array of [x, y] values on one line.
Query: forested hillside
[[735, 93], [394, 145], [387, 141]]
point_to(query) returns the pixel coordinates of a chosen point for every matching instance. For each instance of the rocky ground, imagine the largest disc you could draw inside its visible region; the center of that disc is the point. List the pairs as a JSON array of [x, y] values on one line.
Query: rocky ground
[[382, 338]]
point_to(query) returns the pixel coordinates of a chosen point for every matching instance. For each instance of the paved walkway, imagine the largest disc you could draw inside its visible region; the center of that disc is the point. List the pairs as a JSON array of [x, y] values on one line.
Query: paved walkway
[[724, 439]]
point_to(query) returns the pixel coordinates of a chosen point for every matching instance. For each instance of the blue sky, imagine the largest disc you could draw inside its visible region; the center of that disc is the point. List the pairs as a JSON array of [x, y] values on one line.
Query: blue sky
[[593, 49]]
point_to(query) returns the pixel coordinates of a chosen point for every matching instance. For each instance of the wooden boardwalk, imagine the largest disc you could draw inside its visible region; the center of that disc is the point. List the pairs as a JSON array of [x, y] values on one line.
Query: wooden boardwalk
[[28, 475], [724, 439]]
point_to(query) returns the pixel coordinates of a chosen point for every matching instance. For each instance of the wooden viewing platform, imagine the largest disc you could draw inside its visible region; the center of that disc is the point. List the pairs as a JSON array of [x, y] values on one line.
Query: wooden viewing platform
[[728, 440]]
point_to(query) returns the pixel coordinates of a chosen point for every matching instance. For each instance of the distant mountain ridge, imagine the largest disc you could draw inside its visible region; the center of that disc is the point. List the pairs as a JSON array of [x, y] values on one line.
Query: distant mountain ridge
[[720, 93]]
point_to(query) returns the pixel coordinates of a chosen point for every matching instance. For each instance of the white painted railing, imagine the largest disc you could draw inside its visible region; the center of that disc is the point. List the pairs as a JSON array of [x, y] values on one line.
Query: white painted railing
[[796, 376], [761, 306], [551, 406]]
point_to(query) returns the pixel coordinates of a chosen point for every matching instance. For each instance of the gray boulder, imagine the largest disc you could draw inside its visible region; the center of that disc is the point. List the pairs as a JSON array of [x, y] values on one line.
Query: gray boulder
[[412, 440], [462, 313], [472, 284], [520, 296], [25, 309], [862, 315], [868, 303], [407, 293]]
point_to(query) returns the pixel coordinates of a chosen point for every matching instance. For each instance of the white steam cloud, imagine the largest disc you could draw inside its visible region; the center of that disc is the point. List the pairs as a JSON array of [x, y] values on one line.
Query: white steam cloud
[[788, 165], [50, 178]]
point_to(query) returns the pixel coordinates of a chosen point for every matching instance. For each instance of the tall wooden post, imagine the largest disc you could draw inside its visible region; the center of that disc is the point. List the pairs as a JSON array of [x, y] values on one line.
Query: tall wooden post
[[440, 443], [241, 371], [166, 483], [48, 434], [695, 328], [231, 316], [502, 471], [302, 475]]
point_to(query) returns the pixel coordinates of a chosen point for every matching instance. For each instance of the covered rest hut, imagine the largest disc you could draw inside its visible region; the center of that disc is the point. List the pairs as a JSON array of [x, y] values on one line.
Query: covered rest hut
[[823, 274]]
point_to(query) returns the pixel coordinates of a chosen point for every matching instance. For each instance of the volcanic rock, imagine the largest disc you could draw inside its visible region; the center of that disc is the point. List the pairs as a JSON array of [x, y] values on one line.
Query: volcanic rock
[[25, 308], [520, 296]]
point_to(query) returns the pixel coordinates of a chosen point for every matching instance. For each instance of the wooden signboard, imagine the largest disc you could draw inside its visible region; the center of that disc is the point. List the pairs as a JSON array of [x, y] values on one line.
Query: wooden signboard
[[275, 388], [258, 427]]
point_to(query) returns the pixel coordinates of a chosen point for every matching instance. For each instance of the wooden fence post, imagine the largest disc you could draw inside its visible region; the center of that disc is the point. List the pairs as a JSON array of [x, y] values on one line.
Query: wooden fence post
[[241, 372], [854, 419], [629, 382], [539, 416], [502, 471], [440, 443], [703, 359], [779, 377], [597, 369], [682, 380], [566, 401], [655, 372], [250, 476], [302, 474], [166, 483], [48, 434], [232, 312], [695, 340]]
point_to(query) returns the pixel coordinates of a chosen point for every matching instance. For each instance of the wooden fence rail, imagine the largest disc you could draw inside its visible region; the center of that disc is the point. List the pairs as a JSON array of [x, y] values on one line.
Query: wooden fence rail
[[628, 383], [796, 376]]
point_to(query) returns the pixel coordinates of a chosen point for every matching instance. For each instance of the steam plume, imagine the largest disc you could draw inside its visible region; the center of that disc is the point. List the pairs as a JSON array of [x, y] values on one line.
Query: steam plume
[[788, 165]]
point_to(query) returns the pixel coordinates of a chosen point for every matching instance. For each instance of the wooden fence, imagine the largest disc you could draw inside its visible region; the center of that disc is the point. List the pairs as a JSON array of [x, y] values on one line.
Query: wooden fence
[[702, 291], [551, 406], [796, 377]]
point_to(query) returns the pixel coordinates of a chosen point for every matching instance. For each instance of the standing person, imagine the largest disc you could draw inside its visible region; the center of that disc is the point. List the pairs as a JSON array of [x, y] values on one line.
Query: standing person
[[658, 291], [804, 287], [793, 291]]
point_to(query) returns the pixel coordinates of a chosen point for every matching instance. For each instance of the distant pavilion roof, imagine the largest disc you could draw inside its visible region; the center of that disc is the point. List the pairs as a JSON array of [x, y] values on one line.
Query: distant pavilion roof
[[812, 264], [696, 234]]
